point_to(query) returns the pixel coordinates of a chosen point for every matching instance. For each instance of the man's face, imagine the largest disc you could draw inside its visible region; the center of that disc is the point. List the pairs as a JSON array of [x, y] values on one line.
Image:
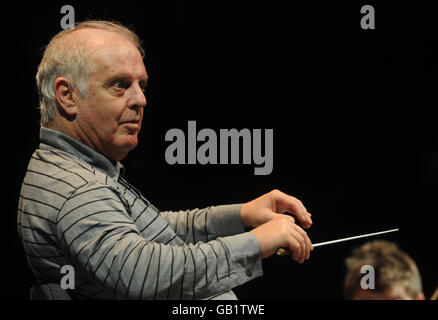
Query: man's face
[[109, 117]]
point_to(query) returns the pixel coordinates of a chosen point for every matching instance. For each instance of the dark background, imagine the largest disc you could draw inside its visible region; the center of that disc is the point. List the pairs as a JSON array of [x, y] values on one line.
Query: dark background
[[353, 113]]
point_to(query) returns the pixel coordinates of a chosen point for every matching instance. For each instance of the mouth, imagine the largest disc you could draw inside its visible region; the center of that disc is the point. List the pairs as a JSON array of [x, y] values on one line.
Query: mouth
[[130, 121], [131, 124]]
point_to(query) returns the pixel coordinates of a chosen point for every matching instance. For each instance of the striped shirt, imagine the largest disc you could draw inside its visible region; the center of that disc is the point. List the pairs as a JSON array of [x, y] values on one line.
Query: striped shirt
[[75, 208]]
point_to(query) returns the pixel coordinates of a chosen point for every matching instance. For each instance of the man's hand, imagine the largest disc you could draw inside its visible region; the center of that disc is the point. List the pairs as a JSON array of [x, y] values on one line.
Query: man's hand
[[266, 208], [282, 232], [276, 230]]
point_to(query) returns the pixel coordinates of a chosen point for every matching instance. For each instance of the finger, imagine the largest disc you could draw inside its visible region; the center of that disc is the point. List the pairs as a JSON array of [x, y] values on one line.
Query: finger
[[291, 219], [308, 223], [308, 245], [302, 251], [294, 247], [307, 240], [288, 203], [296, 234], [300, 211], [299, 235], [305, 247]]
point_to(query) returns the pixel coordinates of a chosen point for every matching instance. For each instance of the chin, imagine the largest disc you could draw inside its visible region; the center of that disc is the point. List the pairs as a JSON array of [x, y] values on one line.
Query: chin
[[130, 143], [126, 144]]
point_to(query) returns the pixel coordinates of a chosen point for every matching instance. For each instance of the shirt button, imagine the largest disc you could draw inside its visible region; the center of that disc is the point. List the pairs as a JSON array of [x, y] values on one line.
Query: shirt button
[[248, 272]]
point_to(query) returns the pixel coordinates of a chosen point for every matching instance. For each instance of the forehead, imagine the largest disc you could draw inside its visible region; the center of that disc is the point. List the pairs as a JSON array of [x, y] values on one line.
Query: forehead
[[395, 291], [113, 54]]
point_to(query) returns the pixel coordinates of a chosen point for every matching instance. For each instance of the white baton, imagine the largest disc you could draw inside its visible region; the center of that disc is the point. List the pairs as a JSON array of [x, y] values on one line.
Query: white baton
[[284, 251]]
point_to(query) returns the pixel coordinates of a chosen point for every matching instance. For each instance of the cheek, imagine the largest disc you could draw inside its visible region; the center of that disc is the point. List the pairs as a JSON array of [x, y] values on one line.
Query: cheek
[[103, 112], [112, 116], [107, 113]]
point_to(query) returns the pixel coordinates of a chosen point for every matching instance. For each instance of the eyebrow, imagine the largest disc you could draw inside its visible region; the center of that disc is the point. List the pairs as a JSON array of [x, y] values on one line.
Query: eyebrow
[[126, 77]]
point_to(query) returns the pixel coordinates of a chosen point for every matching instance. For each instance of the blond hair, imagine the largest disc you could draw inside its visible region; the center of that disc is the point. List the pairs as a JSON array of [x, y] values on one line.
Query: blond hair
[[72, 62], [391, 265]]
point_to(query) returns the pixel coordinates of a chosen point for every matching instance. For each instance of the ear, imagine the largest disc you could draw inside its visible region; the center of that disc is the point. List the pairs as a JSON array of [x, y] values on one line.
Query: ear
[[66, 97]]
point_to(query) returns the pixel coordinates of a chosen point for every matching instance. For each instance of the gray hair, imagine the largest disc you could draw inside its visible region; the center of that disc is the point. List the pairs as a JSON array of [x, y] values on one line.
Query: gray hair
[[72, 61]]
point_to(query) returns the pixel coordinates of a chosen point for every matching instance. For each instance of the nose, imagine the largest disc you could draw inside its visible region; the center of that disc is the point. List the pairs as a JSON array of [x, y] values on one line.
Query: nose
[[137, 98]]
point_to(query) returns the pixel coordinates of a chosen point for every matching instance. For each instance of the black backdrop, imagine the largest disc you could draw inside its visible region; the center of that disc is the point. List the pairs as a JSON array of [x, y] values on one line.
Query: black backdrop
[[352, 111]]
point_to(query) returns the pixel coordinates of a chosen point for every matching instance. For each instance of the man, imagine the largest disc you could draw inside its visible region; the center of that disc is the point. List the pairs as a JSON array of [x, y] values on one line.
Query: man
[[76, 208], [396, 274]]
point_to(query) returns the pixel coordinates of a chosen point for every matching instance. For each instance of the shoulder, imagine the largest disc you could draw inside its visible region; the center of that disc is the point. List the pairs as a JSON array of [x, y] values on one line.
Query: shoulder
[[57, 171]]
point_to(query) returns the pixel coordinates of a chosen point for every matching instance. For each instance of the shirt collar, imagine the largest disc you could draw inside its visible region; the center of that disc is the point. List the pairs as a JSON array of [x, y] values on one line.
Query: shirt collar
[[61, 141]]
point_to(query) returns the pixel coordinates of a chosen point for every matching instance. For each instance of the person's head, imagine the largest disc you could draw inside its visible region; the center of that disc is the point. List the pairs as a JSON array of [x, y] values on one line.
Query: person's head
[[396, 275], [91, 83]]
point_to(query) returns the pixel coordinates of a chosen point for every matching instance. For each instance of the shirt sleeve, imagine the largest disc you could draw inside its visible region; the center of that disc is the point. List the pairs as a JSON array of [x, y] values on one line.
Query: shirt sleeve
[[99, 238], [206, 224]]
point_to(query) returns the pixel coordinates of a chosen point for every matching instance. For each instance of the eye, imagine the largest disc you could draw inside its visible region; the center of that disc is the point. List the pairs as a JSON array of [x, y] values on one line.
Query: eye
[[121, 84], [143, 86]]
